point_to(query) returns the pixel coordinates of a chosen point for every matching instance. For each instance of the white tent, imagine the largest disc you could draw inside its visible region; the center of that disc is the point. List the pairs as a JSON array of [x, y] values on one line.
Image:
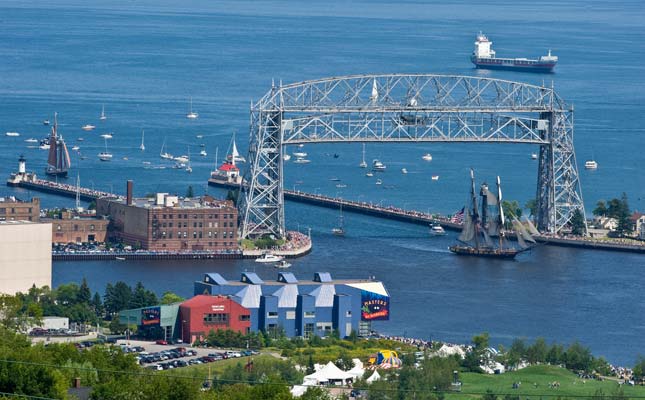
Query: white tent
[[357, 371], [330, 373], [299, 390], [374, 377]]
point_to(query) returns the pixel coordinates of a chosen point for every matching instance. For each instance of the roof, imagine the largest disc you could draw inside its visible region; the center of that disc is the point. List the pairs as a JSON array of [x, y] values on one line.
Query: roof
[[252, 278], [287, 277], [215, 278], [202, 300], [322, 277], [228, 167]]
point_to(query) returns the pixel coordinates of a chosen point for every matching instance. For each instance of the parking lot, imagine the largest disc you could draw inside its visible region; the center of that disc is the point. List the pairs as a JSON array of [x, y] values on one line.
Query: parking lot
[[161, 357]]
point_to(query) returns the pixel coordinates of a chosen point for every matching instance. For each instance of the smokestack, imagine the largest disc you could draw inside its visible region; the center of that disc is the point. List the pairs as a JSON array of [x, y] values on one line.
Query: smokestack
[[128, 197]]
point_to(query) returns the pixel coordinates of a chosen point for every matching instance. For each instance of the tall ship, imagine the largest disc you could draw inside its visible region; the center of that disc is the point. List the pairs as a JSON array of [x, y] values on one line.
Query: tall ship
[[484, 57], [483, 232], [58, 161]]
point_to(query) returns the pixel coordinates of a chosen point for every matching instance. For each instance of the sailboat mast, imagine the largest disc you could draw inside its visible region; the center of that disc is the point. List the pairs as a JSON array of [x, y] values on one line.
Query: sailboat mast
[[473, 196], [500, 211]]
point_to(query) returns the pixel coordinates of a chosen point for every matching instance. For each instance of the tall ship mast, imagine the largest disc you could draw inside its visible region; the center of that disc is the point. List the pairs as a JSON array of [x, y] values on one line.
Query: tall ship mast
[[482, 225], [485, 57], [58, 161]]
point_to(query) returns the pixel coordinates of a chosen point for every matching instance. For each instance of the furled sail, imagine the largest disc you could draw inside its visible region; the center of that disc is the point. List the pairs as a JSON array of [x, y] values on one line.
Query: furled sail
[[532, 227], [520, 240], [468, 230], [521, 231]]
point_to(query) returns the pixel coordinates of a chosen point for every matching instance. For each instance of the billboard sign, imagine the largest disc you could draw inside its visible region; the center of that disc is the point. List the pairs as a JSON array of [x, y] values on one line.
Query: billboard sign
[[151, 316], [374, 306]]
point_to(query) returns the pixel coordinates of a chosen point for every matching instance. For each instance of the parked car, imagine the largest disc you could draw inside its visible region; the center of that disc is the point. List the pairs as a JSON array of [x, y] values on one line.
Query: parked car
[[162, 342]]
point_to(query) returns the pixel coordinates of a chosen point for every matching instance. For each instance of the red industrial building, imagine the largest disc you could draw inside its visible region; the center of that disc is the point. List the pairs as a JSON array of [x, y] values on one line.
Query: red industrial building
[[204, 312]]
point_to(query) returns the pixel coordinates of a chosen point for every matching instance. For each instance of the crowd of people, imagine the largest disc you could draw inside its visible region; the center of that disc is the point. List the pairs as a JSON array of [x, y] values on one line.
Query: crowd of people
[[72, 188]]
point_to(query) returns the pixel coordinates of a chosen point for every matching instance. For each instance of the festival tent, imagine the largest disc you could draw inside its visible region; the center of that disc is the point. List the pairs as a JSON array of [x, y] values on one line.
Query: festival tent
[[374, 377], [330, 373], [357, 371], [299, 390], [388, 359]]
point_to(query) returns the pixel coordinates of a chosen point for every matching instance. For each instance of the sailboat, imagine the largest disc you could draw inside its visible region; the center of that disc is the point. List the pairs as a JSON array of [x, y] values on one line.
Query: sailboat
[[235, 155], [191, 114], [142, 146], [339, 230], [374, 95], [163, 154], [58, 161], [479, 228], [103, 117], [105, 155], [363, 164]]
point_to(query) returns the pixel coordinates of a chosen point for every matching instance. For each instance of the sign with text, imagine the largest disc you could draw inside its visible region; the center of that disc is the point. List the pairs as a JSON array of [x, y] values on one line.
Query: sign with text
[[151, 316], [374, 306]]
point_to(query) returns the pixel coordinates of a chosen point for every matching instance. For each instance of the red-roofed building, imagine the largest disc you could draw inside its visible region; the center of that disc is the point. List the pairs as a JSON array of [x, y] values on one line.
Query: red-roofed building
[[204, 312], [227, 174]]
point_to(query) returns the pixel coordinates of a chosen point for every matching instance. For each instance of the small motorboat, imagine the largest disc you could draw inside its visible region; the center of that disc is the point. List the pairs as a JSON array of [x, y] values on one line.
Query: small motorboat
[[427, 157], [106, 136], [591, 164], [199, 136], [31, 140], [203, 153], [533, 156], [80, 139], [46, 122], [286, 157], [14, 134], [118, 258], [435, 177], [334, 179], [268, 258], [282, 264], [88, 127], [341, 185], [379, 182], [369, 174], [105, 156], [378, 166], [404, 171], [436, 229], [300, 154], [76, 148], [302, 161]]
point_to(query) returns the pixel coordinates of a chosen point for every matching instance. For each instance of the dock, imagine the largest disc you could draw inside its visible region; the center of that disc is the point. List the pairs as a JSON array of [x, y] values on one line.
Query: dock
[[365, 208]]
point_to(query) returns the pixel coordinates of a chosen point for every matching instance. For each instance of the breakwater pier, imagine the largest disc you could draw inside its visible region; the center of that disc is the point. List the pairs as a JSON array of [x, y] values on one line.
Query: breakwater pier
[[366, 208]]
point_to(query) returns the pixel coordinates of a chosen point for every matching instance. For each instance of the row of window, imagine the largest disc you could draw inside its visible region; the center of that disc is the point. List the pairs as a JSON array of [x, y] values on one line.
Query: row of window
[[76, 227], [223, 318], [195, 216], [3, 210], [225, 224], [196, 235], [290, 314]]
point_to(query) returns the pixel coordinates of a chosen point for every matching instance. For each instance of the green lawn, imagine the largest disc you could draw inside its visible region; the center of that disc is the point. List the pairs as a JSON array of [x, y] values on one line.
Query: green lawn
[[570, 385]]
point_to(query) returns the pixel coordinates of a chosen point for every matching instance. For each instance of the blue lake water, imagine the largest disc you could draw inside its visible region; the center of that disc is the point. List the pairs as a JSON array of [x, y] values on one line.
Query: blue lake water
[[144, 60]]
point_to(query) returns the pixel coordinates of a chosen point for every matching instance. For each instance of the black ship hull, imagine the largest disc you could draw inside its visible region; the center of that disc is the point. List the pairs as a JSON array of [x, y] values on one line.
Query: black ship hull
[[62, 174], [484, 252]]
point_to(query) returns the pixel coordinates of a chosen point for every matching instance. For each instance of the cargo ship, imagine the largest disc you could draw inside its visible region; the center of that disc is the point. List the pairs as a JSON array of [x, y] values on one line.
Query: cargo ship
[[484, 57]]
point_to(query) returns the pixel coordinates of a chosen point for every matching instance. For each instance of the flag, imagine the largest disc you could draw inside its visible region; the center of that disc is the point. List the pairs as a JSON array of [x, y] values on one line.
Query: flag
[[458, 217]]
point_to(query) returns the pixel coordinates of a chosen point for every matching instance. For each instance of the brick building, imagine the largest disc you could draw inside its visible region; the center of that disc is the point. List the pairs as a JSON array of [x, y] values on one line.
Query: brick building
[[69, 227], [171, 223], [13, 209], [204, 313]]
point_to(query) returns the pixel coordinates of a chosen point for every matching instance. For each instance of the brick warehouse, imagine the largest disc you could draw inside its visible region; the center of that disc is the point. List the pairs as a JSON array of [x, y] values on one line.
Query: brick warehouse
[[171, 223], [201, 314]]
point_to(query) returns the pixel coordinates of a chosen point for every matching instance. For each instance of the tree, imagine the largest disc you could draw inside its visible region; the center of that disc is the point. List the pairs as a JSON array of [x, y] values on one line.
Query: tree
[[578, 357], [189, 192], [537, 352], [310, 365], [84, 293], [531, 205], [142, 297], [170, 298], [623, 217], [578, 226], [639, 368], [516, 352], [601, 209], [117, 297], [97, 305]]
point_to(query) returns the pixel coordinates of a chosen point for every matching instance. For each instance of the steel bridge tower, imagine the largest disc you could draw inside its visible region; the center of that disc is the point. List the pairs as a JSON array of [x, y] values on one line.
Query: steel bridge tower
[[409, 108]]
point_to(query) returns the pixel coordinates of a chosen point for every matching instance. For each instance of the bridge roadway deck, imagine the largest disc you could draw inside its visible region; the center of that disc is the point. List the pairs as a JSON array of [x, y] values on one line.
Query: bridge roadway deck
[[388, 212]]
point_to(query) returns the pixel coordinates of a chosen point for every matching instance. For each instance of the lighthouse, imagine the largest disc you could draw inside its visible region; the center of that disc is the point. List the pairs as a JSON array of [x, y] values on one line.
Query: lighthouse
[[22, 165]]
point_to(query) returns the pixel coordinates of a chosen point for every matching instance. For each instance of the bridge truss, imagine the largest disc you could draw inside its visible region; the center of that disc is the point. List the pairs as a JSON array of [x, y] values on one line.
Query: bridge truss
[[410, 108]]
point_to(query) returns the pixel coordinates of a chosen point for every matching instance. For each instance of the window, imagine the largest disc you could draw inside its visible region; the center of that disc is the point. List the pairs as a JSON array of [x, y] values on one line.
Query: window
[[210, 234], [230, 216], [58, 227], [76, 227], [163, 216], [310, 314], [170, 224], [272, 314], [216, 318], [194, 235], [348, 313], [291, 315], [309, 330], [245, 317], [92, 227], [200, 234], [200, 224], [324, 328]]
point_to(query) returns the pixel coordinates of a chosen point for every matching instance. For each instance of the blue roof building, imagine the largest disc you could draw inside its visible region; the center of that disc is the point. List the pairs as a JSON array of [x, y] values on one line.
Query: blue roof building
[[304, 308]]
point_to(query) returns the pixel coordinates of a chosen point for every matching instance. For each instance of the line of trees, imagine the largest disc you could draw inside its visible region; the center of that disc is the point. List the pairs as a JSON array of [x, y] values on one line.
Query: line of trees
[[77, 303]]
